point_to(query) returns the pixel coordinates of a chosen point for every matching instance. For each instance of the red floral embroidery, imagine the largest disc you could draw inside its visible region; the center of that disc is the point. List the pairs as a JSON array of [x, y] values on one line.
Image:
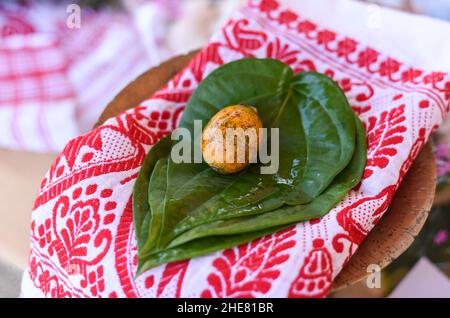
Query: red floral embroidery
[[359, 217], [411, 75], [383, 134], [287, 17], [306, 27], [367, 57], [389, 67], [49, 284], [75, 224], [315, 276], [346, 47], [249, 270], [75, 218], [325, 37], [245, 38], [173, 271], [282, 52], [268, 5]]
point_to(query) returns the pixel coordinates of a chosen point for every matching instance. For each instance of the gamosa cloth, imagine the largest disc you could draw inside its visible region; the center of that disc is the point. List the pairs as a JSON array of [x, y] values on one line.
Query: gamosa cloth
[[82, 238], [55, 81]]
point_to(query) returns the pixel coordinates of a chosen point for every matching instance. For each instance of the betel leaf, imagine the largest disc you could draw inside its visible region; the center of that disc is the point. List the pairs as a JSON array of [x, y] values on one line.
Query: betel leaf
[[156, 191], [198, 248], [183, 210], [227, 233], [315, 128]]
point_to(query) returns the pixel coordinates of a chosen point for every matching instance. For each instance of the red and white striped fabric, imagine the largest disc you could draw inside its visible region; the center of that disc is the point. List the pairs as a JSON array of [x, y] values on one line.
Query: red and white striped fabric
[[105, 56], [35, 94], [55, 81], [82, 237]]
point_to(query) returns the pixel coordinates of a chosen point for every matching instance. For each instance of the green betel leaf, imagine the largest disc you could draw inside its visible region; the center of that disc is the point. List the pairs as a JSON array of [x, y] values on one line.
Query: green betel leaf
[[178, 205], [141, 206], [289, 214], [228, 233], [198, 248]]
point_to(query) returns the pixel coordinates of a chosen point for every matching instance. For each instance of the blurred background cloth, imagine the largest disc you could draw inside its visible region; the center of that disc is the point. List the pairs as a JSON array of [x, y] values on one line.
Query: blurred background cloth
[[54, 81]]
